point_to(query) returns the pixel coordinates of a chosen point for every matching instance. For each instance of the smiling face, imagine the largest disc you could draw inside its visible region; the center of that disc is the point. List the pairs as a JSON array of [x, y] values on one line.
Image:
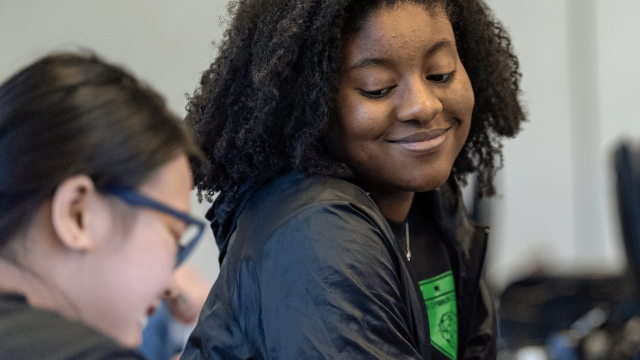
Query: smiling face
[[130, 269], [404, 101]]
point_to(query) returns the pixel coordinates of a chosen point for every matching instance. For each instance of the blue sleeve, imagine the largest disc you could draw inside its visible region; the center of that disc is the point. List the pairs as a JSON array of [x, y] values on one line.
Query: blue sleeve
[[157, 343]]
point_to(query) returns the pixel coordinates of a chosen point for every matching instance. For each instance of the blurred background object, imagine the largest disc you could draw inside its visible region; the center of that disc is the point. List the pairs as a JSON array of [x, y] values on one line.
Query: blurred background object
[[554, 221], [627, 168], [582, 317]]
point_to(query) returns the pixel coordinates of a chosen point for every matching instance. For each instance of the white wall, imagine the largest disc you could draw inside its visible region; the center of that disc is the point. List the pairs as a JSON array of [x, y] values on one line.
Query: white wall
[[554, 211]]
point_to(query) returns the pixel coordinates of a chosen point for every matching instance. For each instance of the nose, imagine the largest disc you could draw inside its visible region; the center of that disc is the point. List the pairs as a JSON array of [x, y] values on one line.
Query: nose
[[418, 102]]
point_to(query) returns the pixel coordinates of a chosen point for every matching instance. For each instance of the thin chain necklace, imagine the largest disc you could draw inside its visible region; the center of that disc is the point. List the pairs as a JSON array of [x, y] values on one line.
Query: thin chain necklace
[[408, 241]]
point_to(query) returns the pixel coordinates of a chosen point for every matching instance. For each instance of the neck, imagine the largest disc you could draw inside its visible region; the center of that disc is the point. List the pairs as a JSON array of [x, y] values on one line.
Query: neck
[[39, 290], [394, 205]]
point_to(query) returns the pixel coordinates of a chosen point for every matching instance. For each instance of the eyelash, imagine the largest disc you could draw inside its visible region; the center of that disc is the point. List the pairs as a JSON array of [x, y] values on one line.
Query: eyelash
[[376, 94], [380, 93], [446, 77]]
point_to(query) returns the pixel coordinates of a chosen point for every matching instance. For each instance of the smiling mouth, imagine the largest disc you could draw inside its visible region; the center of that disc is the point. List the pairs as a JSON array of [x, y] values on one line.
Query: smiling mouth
[[422, 141]]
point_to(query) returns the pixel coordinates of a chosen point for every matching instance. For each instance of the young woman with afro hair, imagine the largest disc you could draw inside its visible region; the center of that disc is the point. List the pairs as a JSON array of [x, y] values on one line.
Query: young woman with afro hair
[[337, 132]]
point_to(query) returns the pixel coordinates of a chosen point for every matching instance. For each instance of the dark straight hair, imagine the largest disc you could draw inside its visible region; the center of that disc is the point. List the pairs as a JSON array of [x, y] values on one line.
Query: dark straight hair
[[69, 114]]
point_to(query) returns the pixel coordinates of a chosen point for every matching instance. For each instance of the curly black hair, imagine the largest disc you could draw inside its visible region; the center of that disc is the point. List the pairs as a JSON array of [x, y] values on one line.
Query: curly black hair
[[268, 98]]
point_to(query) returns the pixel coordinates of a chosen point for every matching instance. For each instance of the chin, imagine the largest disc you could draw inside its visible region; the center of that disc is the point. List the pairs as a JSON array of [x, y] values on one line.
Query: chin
[[432, 182], [429, 187], [132, 341]]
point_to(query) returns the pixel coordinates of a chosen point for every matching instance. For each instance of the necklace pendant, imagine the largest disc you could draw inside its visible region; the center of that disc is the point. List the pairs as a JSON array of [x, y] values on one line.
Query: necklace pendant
[[408, 242]]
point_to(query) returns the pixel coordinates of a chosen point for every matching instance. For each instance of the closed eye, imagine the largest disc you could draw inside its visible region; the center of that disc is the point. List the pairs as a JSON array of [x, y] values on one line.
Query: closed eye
[[375, 94], [441, 78]]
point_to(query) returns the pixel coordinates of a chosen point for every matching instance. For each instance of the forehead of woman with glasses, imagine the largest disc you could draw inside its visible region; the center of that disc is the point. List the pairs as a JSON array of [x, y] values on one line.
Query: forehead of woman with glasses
[[94, 202]]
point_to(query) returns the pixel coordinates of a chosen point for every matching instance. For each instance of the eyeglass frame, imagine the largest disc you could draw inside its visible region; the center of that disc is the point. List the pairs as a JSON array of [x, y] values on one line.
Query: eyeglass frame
[[134, 198]]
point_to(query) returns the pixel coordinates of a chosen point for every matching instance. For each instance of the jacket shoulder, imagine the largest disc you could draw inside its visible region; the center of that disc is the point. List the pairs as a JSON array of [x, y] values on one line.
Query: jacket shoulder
[[296, 189], [285, 198]]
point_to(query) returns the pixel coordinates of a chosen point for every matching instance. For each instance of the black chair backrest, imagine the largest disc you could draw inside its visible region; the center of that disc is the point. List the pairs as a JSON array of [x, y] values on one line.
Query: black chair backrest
[[627, 167]]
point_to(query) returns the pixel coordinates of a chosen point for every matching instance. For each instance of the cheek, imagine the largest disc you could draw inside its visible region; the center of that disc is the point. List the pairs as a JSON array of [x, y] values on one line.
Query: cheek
[[130, 273], [464, 97], [359, 118], [155, 253], [466, 101], [459, 103]]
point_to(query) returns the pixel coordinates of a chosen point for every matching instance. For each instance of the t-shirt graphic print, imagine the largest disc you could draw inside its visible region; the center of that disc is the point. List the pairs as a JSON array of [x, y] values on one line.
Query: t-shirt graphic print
[[439, 295]]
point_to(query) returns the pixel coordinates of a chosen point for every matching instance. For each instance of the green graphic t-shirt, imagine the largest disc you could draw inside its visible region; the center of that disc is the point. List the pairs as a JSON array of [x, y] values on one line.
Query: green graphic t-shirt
[[432, 268], [439, 295]]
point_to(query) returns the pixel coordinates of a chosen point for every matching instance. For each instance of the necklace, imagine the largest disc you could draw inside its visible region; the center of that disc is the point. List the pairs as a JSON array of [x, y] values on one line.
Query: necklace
[[408, 241]]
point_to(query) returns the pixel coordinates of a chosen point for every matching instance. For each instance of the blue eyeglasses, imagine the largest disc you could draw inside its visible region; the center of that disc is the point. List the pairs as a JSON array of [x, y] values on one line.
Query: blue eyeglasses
[[193, 227]]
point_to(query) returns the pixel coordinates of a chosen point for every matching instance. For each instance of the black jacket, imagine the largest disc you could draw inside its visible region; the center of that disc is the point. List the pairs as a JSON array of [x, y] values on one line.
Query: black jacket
[[310, 270]]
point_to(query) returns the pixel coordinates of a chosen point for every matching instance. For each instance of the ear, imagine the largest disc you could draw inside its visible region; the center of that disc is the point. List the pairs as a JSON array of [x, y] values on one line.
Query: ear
[[69, 210]]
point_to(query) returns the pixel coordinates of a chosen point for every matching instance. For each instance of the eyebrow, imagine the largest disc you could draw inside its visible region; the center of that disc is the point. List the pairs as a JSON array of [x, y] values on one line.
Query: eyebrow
[[439, 45], [367, 61]]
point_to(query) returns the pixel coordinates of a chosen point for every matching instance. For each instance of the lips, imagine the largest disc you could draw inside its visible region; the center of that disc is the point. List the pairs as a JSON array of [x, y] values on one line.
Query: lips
[[423, 142], [421, 136]]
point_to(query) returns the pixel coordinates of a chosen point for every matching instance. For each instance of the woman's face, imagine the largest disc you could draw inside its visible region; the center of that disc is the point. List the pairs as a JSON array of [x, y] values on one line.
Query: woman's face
[[404, 102], [132, 268]]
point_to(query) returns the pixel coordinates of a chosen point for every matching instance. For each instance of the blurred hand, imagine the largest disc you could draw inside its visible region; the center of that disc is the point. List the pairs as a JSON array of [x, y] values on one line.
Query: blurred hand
[[187, 294]]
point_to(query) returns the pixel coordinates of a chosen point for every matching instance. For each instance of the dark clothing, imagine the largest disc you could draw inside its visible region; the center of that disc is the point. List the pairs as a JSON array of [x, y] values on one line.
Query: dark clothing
[[28, 333], [431, 264], [310, 269], [429, 254]]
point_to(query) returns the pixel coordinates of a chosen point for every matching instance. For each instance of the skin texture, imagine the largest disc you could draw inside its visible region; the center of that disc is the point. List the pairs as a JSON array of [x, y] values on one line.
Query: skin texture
[[404, 103]]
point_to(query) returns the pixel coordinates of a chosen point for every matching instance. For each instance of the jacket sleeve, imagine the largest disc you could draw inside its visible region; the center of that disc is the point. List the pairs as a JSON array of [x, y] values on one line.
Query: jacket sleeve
[[481, 342], [328, 289]]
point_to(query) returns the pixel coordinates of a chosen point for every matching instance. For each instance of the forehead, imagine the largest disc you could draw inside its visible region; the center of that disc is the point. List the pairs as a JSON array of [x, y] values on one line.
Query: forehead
[[401, 27]]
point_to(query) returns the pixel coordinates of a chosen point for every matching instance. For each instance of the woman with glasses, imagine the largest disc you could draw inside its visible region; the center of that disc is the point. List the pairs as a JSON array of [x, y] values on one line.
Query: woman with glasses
[[94, 202]]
